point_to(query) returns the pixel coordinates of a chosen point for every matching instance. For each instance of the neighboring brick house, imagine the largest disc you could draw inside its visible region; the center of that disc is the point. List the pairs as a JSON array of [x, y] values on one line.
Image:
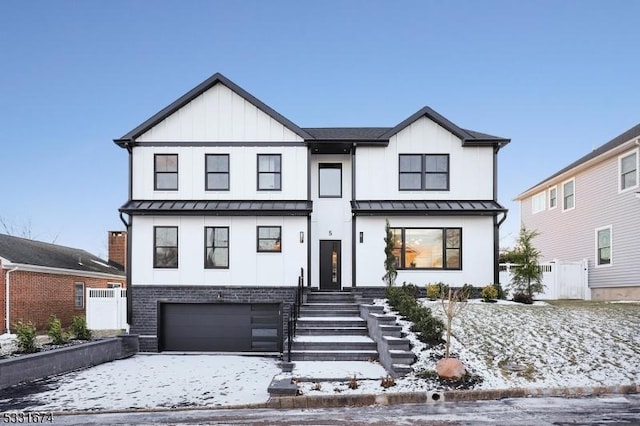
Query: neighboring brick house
[[229, 200], [41, 279]]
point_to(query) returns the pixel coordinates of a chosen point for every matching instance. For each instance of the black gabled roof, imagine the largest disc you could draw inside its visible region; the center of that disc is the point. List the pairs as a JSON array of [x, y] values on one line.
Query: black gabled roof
[[37, 253], [197, 91], [427, 207], [218, 207], [630, 134]]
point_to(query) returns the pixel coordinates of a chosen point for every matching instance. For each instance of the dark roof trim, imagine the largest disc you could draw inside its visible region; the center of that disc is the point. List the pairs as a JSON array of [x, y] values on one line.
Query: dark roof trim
[[630, 134], [218, 207], [197, 91], [426, 208], [225, 143]]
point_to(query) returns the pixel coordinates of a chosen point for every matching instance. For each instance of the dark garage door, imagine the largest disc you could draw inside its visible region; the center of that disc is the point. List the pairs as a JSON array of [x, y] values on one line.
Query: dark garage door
[[220, 327]]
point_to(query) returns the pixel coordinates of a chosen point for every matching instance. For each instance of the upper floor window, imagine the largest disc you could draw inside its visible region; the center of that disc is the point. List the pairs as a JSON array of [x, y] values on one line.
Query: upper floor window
[[217, 171], [269, 172], [165, 247], [568, 195], [428, 248], [424, 172], [166, 172], [330, 180], [269, 238], [628, 171], [538, 203], [78, 295], [216, 253], [553, 197], [603, 246]]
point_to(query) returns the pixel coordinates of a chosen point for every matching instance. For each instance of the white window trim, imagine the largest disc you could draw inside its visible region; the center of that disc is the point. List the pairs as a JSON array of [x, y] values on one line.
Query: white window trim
[[549, 197], [595, 260], [574, 195], [84, 296], [620, 157], [543, 197]]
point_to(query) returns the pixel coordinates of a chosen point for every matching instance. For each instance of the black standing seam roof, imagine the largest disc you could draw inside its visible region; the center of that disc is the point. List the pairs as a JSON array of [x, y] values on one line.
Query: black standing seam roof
[[37, 253], [427, 207], [219, 207]]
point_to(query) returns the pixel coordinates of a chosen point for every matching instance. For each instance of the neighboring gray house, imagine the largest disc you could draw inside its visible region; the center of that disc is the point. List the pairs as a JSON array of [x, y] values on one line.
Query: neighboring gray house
[[591, 210]]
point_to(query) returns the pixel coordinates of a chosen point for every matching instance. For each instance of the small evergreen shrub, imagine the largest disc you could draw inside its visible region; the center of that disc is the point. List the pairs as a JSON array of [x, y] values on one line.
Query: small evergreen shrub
[[467, 292], [523, 298], [79, 328], [404, 300], [26, 333], [433, 291], [489, 292], [501, 293], [55, 331]]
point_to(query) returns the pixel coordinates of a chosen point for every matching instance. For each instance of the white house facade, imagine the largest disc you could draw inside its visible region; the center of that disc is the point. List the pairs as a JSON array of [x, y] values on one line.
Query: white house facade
[[589, 210], [230, 202]]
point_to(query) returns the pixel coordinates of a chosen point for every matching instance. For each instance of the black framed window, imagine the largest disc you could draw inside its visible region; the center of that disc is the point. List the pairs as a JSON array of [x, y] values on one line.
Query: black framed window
[[216, 251], [78, 295], [428, 248], [166, 172], [424, 172], [269, 172], [330, 180], [269, 239], [165, 247], [217, 172]]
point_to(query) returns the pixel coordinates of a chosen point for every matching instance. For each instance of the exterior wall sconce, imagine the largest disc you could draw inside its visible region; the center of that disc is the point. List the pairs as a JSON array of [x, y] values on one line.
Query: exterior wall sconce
[[301, 237], [361, 237]]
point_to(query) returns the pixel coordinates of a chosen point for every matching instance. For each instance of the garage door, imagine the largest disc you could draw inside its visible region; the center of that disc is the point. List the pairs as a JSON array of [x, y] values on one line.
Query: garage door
[[220, 327]]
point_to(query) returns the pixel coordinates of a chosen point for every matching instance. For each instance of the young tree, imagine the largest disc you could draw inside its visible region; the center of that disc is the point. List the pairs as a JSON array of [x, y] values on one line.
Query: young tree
[[527, 276], [452, 306], [390, 259]]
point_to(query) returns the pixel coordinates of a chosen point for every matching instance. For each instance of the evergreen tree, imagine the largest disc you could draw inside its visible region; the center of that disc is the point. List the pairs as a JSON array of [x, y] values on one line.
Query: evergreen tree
[[390, 259], [527, 276]]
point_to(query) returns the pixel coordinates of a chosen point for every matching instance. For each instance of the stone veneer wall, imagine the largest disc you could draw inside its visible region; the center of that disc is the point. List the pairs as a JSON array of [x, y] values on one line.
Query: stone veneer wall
[[145, 304]]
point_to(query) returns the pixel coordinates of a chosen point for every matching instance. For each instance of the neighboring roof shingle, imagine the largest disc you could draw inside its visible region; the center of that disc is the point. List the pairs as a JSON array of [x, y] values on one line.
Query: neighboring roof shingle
[[219, 207], [427, 207], [37, 253]]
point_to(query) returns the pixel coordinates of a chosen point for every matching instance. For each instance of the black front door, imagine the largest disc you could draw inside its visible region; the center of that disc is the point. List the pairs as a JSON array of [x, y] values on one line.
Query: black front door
[[330, 268]]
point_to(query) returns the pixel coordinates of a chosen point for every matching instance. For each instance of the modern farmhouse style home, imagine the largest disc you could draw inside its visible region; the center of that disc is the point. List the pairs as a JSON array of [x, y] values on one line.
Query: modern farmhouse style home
[[229, 202]]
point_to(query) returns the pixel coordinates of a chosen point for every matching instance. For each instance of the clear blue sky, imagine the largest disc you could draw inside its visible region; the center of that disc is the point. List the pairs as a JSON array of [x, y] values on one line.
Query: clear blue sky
[[557, 77]]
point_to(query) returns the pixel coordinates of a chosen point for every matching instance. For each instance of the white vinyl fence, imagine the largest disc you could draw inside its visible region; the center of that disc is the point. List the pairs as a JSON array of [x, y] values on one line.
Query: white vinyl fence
[[107, 309], [562, 279]]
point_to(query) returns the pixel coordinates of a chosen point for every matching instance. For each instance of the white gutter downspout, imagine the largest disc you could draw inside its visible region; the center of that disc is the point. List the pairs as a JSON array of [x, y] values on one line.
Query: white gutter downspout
[[7, 305]]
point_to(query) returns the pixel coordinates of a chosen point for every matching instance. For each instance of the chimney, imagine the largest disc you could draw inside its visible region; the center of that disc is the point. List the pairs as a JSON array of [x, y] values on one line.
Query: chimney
[[118, 248]]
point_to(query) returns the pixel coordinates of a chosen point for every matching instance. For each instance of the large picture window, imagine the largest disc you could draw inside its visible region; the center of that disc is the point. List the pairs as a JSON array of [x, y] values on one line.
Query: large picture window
[[216, 253], [603, 246], [330, 180], [269, 239], [424, 172], [428, 248], [165, 247], [217, 171], [166, 172], [269, 172]]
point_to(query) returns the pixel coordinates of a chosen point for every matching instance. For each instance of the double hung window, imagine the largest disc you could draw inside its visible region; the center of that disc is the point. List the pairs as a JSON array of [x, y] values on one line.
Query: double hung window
[[166, 172]]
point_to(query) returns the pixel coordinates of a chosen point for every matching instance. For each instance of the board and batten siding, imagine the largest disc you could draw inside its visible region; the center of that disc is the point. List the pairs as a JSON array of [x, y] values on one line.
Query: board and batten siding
[[571, 235], [219, 114], [470, 168], [247, 267]]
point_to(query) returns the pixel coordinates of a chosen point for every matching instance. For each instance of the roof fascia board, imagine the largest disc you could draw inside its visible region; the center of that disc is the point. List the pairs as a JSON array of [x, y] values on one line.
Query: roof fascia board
[[197, 91], [60, 271]]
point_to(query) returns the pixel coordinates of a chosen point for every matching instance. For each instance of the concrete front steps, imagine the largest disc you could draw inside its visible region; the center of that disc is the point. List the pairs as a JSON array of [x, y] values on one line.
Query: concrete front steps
[[330, 329]]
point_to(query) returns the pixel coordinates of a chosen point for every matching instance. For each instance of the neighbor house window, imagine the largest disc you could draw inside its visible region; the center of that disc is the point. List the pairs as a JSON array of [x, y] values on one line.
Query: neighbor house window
[[78, 295], [330, 180], [424, 172], [428, 248], [269, 172], [628, 171], [568, 195], [538, 203], [269, 238], [165, 247], [166, 172], [553, 197], [603, 246], [216, 253], [217, 172]]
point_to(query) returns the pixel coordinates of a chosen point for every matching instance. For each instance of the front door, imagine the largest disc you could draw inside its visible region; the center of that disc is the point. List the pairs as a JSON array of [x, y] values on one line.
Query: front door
[[330, 268]]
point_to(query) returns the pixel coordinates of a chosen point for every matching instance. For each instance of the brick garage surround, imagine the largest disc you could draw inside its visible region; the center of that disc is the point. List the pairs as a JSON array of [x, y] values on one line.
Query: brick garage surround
[[145, 300], [36, 295]]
